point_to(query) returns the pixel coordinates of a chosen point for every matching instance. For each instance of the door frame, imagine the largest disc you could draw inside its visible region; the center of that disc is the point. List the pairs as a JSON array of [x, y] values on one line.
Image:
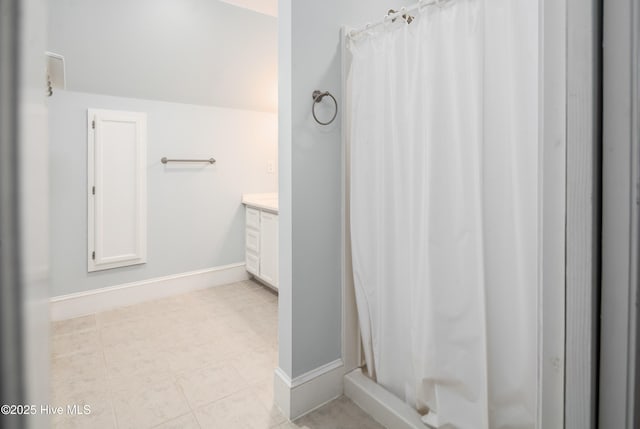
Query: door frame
[[24, 202], [619, 376], [12, 388], [583, 212]]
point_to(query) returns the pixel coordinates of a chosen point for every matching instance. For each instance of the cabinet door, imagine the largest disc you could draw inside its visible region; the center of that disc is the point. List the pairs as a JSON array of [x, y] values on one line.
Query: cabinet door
[[117, 189], [269, 248]]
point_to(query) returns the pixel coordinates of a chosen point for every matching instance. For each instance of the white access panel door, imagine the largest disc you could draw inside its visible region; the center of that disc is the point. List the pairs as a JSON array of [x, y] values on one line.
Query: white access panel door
[[269, 248], [117, 189]]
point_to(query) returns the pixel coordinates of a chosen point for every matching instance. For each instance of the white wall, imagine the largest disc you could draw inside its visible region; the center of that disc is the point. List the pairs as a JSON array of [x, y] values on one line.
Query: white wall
[[195, 218], [189, 51], [268, 7], [310, 192]]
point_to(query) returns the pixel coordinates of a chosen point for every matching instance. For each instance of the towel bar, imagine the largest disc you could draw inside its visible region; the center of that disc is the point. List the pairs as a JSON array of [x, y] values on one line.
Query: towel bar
[[165, 160]]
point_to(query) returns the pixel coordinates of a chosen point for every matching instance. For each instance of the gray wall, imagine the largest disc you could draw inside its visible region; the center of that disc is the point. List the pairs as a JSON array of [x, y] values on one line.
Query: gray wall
[[310, 193], [170, 59], [190, 51], [195, 218]]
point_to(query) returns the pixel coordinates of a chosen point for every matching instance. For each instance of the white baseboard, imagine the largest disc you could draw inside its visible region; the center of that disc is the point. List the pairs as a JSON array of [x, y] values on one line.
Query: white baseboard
[[385, 408], [308, 391], [94, 301]]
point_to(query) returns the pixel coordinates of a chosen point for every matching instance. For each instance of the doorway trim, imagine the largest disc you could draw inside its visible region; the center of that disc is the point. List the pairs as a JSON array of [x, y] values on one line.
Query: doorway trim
[[12, 389], [618, 396], [583, 212]]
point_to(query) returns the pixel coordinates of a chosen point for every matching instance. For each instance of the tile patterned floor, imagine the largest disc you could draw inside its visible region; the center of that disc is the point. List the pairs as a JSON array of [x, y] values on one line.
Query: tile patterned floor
[[199, 360]]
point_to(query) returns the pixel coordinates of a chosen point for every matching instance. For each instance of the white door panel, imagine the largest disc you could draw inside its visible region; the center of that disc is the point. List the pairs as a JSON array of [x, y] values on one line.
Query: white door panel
[[117, 189]]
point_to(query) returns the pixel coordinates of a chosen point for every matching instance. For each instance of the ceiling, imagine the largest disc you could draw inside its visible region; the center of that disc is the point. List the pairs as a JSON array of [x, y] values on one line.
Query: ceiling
[[267, 7]]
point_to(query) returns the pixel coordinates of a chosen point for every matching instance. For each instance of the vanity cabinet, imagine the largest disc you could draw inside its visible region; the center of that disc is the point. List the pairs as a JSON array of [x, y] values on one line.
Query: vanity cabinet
[[261, 244]]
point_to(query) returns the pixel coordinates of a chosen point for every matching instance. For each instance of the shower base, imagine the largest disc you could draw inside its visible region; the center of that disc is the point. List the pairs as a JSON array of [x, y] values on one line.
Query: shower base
[[386, 408]]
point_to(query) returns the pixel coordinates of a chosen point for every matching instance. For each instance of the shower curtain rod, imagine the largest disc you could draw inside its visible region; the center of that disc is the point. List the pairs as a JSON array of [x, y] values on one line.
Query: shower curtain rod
[[420, 4]]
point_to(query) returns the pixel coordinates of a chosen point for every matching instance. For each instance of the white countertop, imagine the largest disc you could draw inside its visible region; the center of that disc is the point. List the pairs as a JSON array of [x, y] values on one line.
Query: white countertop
[[266, 201]]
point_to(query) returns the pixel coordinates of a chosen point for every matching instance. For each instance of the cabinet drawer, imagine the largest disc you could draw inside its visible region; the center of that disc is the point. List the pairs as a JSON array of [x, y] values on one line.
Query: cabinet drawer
[[253, 218], [252, 240], [253, 263]]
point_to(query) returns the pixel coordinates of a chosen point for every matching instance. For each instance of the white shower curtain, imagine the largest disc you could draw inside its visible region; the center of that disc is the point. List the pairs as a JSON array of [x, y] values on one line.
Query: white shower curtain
[[442, 126]]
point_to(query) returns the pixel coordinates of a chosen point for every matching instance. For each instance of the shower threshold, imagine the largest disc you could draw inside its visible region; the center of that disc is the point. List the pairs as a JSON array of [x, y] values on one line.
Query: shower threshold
[[386, 408]]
